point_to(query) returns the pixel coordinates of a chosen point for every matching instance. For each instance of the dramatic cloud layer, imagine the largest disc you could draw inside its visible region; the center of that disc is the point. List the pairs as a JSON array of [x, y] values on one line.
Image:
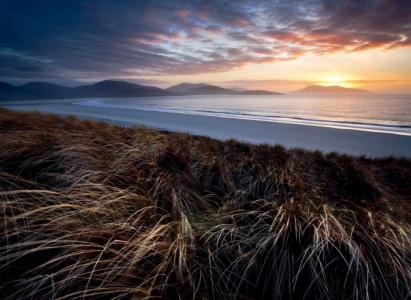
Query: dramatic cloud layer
[[95, 39]]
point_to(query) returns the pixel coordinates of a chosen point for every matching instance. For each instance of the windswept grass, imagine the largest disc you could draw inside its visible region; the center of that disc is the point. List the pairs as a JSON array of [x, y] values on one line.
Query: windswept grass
[[91, 210]]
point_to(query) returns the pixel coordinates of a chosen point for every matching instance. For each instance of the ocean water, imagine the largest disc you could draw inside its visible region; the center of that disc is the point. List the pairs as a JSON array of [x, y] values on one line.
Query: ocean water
[[371, 112]]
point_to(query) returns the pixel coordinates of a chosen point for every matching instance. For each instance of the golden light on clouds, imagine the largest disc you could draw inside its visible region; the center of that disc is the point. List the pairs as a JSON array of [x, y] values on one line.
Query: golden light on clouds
[[299, 42], [378, 70]]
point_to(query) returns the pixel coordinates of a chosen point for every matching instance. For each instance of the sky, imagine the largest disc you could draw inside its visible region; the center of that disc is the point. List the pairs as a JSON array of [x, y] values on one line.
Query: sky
[[273, 45]]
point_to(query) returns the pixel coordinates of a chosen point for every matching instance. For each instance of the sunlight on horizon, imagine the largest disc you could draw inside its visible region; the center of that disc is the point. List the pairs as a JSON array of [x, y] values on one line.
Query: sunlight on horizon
[[347, 69], [333, 80]]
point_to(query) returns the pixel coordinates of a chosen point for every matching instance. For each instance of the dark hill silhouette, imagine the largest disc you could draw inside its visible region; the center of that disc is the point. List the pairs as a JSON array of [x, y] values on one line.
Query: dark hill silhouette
[[199, 89], [208, 89], [8, 91], [45, 90], [334, 89], [184, 87], [258, 92], [107, 88], [111, 88], [6, 86]]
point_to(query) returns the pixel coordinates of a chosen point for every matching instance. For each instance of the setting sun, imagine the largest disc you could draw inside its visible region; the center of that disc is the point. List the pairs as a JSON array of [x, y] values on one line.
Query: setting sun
[[335, 80]]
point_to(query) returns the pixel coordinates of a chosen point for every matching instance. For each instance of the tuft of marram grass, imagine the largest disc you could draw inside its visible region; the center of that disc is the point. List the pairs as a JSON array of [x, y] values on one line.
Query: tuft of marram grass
[[92, 210]]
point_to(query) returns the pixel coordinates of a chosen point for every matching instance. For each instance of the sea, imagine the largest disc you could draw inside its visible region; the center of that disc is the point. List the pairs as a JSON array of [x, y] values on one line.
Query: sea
[[370, 112]]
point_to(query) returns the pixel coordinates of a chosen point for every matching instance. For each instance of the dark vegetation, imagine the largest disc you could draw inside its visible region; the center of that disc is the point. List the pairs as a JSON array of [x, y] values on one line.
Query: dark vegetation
[[92, 210]]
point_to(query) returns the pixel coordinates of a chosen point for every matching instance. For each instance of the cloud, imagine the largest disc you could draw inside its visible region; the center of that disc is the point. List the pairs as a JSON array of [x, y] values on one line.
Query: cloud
[[98, 39]]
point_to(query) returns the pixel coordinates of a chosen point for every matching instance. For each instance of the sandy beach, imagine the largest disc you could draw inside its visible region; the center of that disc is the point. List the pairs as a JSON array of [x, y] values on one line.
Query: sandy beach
[[325, 139]]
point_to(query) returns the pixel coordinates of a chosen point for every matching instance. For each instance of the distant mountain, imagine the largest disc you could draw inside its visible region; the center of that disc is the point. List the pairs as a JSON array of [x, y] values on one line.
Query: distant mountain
[[199, 89], [237, 89], [111, 88], [207, 89], [334, 89], [257, 92], [42, 90], [8, 91], [184, 87], [107, 88]]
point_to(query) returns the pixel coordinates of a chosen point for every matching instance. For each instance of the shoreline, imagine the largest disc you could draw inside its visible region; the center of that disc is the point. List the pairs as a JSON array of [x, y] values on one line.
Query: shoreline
[[112, 209], [346, 125], [310, 137]]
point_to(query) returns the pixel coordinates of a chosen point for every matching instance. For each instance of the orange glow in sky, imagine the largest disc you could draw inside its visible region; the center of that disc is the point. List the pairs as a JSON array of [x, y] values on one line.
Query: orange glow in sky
[[379, 70], [273, 45]]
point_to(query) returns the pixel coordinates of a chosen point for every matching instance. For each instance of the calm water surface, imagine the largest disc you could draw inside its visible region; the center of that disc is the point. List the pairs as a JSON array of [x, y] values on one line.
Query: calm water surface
[[380, 113]]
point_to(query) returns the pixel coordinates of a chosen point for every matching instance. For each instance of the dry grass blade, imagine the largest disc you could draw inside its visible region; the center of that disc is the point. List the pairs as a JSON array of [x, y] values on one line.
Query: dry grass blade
[[95, 211]]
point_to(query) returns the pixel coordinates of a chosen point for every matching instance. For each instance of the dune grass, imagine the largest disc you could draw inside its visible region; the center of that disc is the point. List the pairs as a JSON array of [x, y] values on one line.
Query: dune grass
[[91, 210]]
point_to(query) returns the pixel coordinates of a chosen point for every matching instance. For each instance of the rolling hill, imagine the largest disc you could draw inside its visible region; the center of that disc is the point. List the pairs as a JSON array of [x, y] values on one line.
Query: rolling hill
[[44, 90], [335, 89], [8, 91], [112, 88], [107, 88], [199, 89], [207, 89], [257, 92], [184, 87]]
